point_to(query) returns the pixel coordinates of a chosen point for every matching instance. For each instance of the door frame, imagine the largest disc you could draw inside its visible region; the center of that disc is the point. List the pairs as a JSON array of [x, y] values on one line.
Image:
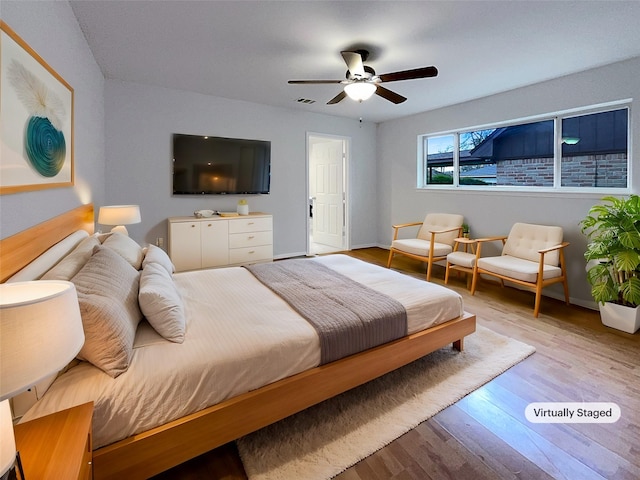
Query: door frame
[[346, 142]]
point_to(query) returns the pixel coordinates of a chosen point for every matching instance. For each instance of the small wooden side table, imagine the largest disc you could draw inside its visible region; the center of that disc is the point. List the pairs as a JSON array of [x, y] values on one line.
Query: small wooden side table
[[57, 446], [461, 261]]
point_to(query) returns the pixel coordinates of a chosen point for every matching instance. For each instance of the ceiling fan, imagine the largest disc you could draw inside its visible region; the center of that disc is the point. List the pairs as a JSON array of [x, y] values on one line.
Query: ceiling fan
[[362, 82]]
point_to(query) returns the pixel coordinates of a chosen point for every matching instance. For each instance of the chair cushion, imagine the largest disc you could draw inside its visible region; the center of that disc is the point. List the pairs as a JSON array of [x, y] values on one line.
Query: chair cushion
[[417, 246], [463, 259], [525, 240], [517, 268], [434, 222]]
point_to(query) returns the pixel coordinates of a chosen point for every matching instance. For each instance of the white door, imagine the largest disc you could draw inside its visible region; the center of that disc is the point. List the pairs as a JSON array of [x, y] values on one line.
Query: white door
[[326, 161]]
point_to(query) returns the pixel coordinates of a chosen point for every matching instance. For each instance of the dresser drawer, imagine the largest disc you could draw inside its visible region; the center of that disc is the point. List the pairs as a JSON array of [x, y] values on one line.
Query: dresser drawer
[[250, 224], [251, 254], [250, 239]]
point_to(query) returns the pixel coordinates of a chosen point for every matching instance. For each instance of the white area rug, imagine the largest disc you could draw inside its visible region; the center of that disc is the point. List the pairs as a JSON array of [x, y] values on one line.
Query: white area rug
[[324, 440]]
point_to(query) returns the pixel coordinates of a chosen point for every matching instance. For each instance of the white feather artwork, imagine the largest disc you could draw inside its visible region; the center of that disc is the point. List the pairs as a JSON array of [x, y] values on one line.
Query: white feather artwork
[[39, 100]]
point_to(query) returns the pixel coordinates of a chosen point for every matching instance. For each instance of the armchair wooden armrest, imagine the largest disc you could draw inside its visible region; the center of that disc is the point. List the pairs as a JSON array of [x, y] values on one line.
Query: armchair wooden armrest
[[396, 228], [491, 239], [435, 232], [402, 225], [480, 241], [555, 247], [544, 251]]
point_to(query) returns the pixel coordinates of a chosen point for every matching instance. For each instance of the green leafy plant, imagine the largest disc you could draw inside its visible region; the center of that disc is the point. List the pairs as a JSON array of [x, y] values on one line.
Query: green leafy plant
[[613, 231]]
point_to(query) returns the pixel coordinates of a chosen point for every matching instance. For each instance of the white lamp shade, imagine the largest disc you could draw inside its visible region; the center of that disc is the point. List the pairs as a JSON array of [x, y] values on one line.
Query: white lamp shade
[[360, 91], [119, 215], [40, 332]]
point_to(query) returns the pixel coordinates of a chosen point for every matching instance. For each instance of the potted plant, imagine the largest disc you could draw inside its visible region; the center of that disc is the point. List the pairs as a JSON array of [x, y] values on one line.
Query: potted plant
[[465, 230], [613, 253]]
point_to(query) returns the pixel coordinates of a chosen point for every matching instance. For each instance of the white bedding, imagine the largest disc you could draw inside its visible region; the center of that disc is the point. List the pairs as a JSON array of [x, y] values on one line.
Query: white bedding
[[239, 336]]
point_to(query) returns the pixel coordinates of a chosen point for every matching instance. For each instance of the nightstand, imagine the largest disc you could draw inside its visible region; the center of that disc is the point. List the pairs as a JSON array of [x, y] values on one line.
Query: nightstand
[[57, 446]]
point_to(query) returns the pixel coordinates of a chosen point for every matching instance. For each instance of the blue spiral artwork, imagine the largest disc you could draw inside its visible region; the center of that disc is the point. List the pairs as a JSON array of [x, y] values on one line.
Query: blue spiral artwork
[[45, 146], [44, 142]]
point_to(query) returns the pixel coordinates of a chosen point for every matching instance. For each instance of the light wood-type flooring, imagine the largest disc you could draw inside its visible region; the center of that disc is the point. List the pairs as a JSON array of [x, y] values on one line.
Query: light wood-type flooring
[[485, 435]]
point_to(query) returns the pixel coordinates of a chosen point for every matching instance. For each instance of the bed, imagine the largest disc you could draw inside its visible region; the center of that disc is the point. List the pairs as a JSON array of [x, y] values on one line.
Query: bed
[[238, 393]]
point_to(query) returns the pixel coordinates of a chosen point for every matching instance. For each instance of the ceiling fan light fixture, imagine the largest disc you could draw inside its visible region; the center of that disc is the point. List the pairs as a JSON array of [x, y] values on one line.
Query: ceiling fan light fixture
[[360, 91]]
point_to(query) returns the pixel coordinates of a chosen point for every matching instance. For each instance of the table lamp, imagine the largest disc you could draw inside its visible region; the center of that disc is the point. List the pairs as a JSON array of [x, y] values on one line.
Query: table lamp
[[119, 215], [40, 333]]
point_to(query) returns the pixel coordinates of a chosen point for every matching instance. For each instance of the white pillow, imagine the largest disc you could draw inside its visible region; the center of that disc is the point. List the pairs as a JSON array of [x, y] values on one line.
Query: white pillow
[[107, 289], [72, 263], [161, 303], [42, 264], [146, 335], [157, 255], [126, 247]]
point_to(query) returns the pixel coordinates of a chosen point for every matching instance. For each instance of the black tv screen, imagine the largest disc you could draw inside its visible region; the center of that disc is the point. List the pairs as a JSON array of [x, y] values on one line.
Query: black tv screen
[[217, 165]]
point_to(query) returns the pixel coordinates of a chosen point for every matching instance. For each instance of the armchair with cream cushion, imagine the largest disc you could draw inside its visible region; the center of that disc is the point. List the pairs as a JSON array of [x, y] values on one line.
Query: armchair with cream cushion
[[433, 242], [532, 256]]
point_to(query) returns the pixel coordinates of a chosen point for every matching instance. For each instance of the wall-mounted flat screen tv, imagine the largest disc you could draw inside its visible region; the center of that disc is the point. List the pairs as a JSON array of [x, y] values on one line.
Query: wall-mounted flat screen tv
[[217, 165]]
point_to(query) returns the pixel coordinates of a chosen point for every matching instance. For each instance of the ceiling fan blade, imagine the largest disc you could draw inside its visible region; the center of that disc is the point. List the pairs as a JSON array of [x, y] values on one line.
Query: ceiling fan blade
[[307, 82], [423, 72], [337, 98], [389, 95], [354, 63]]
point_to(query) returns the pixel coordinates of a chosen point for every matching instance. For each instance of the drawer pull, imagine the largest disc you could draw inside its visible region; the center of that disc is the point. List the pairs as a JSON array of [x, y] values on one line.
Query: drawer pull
[[251, 237], [252, 252], [193, 226], [250, 223], [209, 225]]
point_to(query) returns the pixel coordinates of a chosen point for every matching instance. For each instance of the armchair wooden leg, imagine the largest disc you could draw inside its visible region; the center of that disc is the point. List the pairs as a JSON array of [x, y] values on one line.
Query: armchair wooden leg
[[390, 257], [446, 274], [474, 281], [566, 290], [429, 271], [536, 308]]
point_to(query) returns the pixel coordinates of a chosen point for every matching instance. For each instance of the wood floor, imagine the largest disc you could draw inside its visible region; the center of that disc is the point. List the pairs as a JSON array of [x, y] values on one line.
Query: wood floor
[[485, 435]]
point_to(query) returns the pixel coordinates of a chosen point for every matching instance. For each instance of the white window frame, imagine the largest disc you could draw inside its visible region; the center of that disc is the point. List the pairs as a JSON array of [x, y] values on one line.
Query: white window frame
[[557, 117]]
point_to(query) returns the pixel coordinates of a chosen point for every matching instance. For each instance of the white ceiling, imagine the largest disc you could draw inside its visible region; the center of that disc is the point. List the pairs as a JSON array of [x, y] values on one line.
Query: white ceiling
[[247, 50]]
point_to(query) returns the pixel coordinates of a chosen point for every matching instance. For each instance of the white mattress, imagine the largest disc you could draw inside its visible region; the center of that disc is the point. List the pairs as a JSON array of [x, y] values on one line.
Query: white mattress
[[240, 336]]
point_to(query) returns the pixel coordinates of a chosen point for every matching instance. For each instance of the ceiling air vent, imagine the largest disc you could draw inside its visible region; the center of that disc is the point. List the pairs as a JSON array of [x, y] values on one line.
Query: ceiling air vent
[[305, 100]]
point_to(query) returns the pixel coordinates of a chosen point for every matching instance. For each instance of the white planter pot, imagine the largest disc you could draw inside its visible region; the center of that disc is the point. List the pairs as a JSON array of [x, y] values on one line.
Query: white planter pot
[[623, 318]]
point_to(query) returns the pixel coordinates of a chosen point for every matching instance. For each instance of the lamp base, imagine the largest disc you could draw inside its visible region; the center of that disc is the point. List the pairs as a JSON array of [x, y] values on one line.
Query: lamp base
[[120, 229]]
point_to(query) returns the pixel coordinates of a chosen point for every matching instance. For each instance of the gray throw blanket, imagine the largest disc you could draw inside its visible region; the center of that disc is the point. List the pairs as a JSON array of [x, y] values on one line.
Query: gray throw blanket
[[348, 316]]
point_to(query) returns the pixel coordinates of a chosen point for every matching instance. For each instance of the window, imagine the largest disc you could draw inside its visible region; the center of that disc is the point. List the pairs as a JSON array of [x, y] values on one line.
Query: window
[[439, 162], [594, 150], [588, 150]]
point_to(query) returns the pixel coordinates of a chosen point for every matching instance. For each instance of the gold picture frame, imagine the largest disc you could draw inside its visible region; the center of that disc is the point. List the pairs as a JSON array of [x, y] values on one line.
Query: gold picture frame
[[36, 120]]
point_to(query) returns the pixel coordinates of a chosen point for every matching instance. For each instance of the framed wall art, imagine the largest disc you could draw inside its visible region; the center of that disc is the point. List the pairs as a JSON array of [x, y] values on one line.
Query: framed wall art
[[36, 120]]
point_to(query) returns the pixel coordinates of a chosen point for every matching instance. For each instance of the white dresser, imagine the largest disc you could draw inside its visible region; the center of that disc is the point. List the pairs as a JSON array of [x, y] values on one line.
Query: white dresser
[[196, 243]]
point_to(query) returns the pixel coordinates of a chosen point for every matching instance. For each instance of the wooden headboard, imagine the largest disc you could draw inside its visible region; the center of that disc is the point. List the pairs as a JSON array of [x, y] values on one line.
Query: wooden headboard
[[18, 250]]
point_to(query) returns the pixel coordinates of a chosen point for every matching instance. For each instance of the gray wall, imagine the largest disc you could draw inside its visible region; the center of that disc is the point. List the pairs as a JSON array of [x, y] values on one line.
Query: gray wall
[[140, 120], [37, 23], [493, 213]]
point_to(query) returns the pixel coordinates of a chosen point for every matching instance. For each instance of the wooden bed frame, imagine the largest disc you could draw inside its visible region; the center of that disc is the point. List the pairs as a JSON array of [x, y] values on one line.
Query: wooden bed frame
[[151, 452]]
